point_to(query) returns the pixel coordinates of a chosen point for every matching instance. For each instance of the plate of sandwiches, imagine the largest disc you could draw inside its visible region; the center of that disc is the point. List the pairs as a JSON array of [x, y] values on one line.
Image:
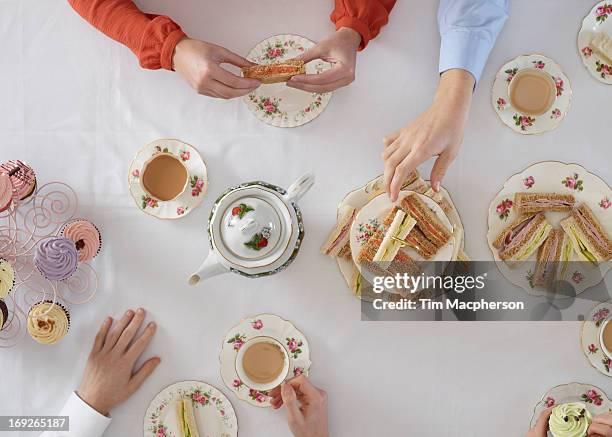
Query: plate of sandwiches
[[190, 409], [338, 245], [595, 42], [552, 223], [274, 102]]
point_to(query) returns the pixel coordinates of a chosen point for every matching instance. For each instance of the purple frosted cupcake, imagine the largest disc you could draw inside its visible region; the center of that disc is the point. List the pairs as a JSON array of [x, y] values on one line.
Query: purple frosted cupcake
[[56, 258]]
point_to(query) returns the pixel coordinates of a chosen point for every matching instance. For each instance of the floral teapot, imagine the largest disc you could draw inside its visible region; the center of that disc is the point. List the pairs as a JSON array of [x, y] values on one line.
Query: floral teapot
[[255, 229]]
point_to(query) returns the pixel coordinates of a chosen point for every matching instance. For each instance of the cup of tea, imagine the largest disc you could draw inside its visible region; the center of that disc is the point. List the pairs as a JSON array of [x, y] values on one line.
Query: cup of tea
[[532, 91], [605, 337], [164, 177], [262, 363]]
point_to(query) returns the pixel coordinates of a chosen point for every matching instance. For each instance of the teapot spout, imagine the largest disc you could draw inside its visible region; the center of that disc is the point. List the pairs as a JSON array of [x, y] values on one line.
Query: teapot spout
[[209, 268]]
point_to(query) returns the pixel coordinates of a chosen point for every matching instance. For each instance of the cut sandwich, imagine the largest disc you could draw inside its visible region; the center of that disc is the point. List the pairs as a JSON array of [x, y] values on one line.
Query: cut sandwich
[[439, 199], [510, 231], [186, 419], [402, 263], [276, 72], [413, 178], [338, 243], [395, 233], [530, 203], [547, 262], [523, 239], [415, 238], [427, 221], [589, 239], [602, 45]]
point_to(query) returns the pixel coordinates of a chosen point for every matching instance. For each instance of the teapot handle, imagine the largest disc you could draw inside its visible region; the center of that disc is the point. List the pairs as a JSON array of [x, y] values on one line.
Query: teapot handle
[[300, 187]]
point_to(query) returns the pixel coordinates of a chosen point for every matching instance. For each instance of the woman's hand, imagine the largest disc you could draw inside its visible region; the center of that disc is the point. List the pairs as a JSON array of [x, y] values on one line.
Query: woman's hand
[[340, 49], [200, 62], [541, 427], [437, 132], [601, 425], [110, 377]]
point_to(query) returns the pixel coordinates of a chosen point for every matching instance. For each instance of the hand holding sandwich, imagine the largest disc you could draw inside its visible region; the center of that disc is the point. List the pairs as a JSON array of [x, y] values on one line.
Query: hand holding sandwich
[[200, 62], [110, 377], [437, 132], [340, 49]]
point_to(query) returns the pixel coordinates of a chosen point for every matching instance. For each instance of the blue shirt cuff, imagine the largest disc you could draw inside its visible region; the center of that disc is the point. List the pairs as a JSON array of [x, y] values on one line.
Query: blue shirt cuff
[[464, 49]]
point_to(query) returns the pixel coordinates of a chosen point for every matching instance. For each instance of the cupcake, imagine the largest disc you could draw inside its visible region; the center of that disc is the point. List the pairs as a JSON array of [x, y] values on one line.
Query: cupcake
[[3, 314], [56, 258], [86, 238], [22, 177], [6, 192], [570, 420], [7, 278], [48, 322]]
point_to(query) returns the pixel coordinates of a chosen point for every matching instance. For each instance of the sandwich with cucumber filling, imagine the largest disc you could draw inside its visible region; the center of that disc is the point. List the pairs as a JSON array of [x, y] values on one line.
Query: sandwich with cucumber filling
[[275, 72], [522, 237], [553, 259], [401, 263], [530, 203], [186, 419], [395, 233], [590, 240]]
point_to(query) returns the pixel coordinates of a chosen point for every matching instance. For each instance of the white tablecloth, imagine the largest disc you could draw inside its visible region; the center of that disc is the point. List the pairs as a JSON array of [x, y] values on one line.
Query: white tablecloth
[[77, 106]]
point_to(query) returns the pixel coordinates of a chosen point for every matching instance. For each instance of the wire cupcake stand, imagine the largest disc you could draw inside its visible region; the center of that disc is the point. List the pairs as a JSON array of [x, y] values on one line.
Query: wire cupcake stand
[[22, 226]]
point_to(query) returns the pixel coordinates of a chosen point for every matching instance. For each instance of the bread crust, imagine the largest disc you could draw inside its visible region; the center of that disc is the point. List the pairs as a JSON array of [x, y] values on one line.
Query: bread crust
[[499, 240], [535, 226], [536, 202], [427, 221], [264, 72], [576, 221]]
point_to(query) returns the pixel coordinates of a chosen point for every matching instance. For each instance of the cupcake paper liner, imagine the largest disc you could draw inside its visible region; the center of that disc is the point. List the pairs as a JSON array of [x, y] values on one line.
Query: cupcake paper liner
[[4, 315]]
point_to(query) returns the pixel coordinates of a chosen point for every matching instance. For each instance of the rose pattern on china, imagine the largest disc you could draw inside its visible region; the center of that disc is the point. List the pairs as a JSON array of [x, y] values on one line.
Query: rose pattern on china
[[593, 349], [237, 383], [316, 103], [559, 84], [258, 396], [523, 121], [257, 324], [366, 230], [529, 181], [294, 346], [600, 316], [587, 52], [136, 173], [607, 362], [200, 398], [605, 203], [184, 155], [270, 106], [573, 182], [550, 402], [503, 209], [160, 430], [298, 371], [592, 397], [149, 202], [241, 210], [556, 113], [237, 340], [181, 210], [603, 69], [197, 185], [577, 277], [501, 104], [539, 65], [602, 12], [511, 72]]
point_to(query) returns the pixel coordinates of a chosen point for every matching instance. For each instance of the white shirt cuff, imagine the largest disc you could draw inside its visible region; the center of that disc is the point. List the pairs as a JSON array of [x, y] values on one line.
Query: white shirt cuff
[[84, 421]]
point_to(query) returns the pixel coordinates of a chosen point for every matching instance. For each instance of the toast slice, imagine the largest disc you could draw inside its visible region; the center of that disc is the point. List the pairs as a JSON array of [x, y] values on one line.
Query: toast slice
[[339, 238], [530, 203], [521, 245], [590, 241], [427, 221], [275, 72]]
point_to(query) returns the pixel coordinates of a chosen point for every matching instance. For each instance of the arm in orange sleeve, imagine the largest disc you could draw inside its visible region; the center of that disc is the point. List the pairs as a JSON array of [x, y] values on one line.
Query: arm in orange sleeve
[[151, 37], [366, 17]]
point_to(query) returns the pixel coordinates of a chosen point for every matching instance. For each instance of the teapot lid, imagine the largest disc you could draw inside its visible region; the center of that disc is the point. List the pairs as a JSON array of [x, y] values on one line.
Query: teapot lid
[[251, 228]]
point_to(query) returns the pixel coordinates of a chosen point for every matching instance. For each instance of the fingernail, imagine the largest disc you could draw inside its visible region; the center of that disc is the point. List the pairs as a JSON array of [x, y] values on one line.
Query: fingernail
[[129, 313], [437, 186], [140, 311], [296, 79], [152, 325]]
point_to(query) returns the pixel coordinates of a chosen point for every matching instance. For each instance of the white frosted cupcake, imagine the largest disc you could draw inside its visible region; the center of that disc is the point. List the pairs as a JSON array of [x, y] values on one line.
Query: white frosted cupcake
[[570, 420], [7, 278], [48, 322]]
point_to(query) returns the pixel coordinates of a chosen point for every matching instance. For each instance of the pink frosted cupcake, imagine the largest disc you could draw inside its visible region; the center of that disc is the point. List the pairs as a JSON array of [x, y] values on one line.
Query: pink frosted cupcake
[[22, 177], [86, 237], [6, 192]]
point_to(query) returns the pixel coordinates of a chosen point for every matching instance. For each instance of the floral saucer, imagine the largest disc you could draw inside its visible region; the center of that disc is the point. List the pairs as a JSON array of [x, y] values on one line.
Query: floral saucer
[[522, 123], [598, 20], [214, 414], [360, 197], [262, 325], [551, 177], [276, 104], [593, 397], [590, 339], [193, 195]]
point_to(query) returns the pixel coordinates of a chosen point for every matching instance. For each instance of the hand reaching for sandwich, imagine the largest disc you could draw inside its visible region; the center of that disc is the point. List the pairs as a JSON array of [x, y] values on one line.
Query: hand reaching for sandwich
[[200, 62], [306, 407], [437, 132], [340, 49], [110, 377]]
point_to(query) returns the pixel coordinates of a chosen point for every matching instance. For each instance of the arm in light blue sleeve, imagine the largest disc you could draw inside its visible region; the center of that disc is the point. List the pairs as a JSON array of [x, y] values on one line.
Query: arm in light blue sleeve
[[468, 30]]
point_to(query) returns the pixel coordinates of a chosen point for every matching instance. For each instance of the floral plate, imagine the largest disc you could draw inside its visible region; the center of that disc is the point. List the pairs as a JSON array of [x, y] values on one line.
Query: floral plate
[[192, 196], [590, 339], [551, 177], [214, 414], [359, 198], [598, 20], [593, 397], [262, 325], [276, 104], [526, 124]]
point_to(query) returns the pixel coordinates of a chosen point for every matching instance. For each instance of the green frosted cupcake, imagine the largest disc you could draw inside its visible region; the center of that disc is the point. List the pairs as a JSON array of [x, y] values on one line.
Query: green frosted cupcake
[[570, 420]]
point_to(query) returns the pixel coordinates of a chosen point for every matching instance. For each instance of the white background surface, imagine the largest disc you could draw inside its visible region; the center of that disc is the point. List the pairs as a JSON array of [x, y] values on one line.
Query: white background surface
[[76, 106]]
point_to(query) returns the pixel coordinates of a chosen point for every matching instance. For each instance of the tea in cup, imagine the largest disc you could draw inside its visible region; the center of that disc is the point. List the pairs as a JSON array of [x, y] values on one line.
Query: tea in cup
[[262, 363], [532, 91], [164, 177], [605, 337]]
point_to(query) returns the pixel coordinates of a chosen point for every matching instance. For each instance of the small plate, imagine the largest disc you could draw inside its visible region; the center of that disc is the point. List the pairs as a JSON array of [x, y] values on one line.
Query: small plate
[[196, 187], [276, 104], [213, 412], [262, 325], [598, 20], [590, 339], [551, 177], [593, 397], [526, 124]]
